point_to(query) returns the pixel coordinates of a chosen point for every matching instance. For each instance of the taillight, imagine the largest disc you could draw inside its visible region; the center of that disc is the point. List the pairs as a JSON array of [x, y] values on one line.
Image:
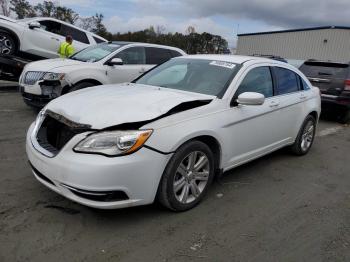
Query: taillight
[[347, 85]]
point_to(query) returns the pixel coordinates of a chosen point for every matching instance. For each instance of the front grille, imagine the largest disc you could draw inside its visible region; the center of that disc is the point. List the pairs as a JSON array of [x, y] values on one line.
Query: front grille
[[53, 135], [32, 77]]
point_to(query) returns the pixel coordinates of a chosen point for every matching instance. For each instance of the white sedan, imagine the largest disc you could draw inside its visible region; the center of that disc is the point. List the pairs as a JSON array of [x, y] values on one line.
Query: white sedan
[[166, 135]]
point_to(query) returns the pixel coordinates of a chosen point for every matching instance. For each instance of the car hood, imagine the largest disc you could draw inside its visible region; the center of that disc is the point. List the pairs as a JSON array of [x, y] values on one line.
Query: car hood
[[112, 105], [49, 65]]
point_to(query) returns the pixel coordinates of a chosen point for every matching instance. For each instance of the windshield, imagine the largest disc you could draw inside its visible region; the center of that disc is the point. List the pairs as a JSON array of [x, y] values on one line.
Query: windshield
[[210, 77], [96, 52]]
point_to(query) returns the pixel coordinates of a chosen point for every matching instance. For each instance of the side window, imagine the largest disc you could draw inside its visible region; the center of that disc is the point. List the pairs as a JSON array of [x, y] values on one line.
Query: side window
[[257, 80], [175, 53], [156, 56], [75, 33], [133, 56], [98, 40], [51, 26], [303, 84], [287, 81]]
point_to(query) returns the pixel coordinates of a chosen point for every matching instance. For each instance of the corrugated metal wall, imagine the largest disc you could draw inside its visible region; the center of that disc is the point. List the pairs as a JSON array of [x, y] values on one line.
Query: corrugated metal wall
[[299, 45]]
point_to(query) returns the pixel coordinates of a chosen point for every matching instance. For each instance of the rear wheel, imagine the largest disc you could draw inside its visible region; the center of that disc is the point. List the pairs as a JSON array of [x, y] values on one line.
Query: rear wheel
[[7, 44], [305, 137], [187, 177]]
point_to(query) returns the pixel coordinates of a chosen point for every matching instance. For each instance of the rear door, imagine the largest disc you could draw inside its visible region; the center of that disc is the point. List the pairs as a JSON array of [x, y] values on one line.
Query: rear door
[[291, 99], [80, 39], [327, 76], [156, 56]]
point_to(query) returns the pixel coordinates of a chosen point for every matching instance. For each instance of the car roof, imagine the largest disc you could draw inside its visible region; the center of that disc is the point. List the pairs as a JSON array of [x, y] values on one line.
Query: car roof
[[146, 44], [237, 59]]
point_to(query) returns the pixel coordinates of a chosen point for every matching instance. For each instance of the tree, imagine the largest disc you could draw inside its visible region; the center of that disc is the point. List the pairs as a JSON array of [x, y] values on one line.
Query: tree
[[22, 8], [98, 27], [66, 14], [46, 9], [4, 8], [50, 9]]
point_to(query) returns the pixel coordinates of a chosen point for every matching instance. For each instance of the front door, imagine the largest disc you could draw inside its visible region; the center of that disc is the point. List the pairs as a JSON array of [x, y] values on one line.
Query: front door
[[134, 64], [253, 130]]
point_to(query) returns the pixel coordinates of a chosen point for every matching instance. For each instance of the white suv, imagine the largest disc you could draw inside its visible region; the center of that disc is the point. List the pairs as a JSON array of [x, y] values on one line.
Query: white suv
[[41, 37], [105, 63], [166, 135]]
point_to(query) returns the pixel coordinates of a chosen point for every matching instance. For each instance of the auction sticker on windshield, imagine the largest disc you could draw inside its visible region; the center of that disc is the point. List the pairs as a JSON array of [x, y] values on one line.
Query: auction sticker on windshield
[[223, 64]]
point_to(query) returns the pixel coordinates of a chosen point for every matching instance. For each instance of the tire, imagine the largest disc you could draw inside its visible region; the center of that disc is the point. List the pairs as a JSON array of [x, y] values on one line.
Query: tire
[[80, 86], [8, 44], [345, 118], [305, 137], [181, 173]]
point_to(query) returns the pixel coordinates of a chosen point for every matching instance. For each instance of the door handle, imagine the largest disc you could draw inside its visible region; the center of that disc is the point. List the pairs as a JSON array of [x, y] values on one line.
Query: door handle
[[302, 96], [142, 71], [53, 38], [274, 103]]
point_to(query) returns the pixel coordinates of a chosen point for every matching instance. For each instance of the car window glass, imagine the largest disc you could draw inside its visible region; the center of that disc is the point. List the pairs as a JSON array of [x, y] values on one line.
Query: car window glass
[[75, 33], [98, 40], [95, 52], [257, 80], [51, 26], [325, 70], [170, 76], [156, 56], [202, 76], [175, 53], [304, 85], [287, 81], [133, 56]]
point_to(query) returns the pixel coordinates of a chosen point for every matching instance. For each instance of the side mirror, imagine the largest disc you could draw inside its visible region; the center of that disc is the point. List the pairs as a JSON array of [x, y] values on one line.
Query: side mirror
[[115, 61], [34, 24], [251, 99]]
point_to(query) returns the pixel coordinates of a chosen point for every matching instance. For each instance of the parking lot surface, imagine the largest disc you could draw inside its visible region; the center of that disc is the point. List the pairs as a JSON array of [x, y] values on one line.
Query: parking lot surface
[[277, 208]]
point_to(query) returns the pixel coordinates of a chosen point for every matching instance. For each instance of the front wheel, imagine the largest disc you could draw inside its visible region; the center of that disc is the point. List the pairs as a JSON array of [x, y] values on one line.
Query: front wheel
[[80, 86], [187, 177], [305, 137]]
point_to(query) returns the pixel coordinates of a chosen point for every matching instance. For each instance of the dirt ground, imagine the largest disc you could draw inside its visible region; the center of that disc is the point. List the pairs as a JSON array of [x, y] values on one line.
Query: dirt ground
[[277, 208]]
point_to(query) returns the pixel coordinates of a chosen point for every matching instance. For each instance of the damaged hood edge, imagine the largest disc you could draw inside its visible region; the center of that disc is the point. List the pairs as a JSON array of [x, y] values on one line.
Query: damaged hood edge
[[124, 106]]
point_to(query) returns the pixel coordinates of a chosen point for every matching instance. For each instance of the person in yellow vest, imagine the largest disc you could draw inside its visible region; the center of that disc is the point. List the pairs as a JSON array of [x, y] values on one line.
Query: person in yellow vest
[[66, 49]]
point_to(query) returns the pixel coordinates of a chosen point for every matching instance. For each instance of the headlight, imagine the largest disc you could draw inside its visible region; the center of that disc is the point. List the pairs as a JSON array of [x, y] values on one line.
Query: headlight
[[113, 143], [53, 76]]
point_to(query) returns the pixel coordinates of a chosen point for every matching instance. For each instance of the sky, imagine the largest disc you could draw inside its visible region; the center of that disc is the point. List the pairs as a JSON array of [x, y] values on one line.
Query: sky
[[221, 17]]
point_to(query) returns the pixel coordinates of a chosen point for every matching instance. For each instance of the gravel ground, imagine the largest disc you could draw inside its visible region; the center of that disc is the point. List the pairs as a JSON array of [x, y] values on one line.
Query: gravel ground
[[277, 208]]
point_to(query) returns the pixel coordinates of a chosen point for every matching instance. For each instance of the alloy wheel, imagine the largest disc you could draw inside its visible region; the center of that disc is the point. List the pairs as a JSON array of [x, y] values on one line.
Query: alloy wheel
[[191, 177], [307, 136], [6, 45]]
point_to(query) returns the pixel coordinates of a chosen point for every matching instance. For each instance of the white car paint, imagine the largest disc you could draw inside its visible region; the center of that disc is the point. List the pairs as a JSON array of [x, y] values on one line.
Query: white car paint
[[38, 41], [243, 132], [99, 71]]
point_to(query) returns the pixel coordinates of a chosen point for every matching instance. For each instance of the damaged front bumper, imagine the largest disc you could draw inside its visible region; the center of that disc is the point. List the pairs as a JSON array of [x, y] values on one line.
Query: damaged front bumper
[[98, 181], [42, 92]]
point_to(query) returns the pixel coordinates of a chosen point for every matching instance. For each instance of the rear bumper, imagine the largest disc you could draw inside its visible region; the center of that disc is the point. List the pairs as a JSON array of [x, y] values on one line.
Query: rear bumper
[[341, 102]]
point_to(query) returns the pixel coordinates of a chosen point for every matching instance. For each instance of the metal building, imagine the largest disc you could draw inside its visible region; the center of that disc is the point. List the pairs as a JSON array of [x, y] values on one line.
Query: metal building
[[323, 43]]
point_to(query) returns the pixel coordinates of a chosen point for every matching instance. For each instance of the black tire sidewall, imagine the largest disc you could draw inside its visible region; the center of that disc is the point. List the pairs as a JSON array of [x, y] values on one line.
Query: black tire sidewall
[[170, 171]]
